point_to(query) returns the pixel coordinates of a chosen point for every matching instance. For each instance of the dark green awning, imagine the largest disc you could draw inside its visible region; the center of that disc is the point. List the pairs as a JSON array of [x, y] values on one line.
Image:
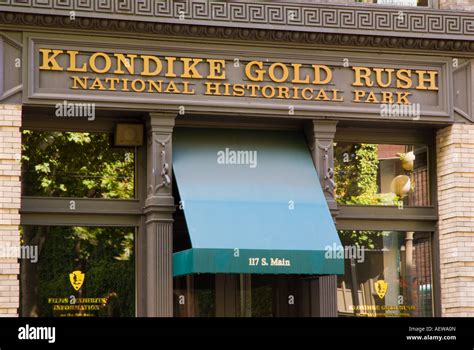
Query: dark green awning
[[260, 212]]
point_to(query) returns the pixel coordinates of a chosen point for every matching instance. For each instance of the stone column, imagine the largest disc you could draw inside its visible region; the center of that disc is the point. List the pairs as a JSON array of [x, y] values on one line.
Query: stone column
[[320, 136], [455, 172], [10, 189], [159, 208]]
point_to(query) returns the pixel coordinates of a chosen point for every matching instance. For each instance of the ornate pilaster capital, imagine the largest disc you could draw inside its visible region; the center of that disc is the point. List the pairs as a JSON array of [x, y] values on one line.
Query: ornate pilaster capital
[[320, 135], [159, 165]]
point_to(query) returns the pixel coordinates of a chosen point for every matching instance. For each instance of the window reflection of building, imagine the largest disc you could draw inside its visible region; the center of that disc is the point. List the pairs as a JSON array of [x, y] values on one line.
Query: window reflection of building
[[357, 183], [400, 259], [420, 195], [422, 273]]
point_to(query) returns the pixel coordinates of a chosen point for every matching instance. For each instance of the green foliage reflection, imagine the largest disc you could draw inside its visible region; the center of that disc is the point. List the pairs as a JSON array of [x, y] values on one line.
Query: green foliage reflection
[[75, 164]]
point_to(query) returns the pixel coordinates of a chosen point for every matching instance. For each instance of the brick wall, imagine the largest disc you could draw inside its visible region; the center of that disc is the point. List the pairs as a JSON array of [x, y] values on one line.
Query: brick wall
[[10, 192], [455, 152]]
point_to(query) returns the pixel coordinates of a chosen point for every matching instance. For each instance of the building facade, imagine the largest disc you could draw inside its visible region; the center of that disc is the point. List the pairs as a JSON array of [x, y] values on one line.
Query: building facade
[[228, 158]]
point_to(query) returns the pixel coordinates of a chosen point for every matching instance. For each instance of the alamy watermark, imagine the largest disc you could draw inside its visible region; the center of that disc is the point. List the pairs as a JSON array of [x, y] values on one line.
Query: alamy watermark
[[37, 333], [397, 2], [335, 251], [397, 110], [28, 252], [75, 110], [237, 157]]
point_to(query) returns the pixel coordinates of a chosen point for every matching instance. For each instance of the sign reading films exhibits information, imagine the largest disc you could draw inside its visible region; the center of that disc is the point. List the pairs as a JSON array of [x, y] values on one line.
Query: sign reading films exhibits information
[[171, 79]]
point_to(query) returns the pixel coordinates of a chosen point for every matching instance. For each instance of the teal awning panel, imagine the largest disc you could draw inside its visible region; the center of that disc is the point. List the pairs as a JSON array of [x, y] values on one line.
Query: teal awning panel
[[258, 211]]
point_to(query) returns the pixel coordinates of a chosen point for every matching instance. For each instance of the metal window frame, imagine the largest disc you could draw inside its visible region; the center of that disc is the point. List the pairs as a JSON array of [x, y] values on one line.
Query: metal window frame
[[114, 213], [54, 211], [389, 218]]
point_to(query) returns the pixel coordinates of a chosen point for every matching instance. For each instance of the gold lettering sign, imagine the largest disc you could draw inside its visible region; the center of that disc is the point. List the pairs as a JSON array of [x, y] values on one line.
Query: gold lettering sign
[[150, 74]]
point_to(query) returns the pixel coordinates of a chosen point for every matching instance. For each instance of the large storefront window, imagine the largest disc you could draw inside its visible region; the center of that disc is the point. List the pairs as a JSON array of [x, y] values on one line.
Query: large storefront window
[[381, 174], [195, 295], [241, 295], [387, 274], [76, 164], [78, 271]]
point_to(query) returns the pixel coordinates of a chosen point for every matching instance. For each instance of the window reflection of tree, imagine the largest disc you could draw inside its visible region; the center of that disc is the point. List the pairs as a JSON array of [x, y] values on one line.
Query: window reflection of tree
[[105, 255]]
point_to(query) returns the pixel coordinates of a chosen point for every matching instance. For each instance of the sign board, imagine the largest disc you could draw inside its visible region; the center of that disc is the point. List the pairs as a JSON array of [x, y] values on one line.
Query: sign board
[[165, 78]]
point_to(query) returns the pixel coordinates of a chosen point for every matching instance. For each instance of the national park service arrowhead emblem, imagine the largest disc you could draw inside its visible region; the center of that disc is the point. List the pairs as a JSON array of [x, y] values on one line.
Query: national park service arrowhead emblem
[[77, 279], [381, 288]]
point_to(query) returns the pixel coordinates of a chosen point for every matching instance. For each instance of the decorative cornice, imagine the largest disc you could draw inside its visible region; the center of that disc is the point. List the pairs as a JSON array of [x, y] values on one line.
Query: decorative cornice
[[19, 20], [311, 18]]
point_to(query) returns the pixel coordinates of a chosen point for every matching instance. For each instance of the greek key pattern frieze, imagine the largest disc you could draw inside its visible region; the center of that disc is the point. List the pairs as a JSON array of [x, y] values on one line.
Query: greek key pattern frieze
[[302, 17]]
